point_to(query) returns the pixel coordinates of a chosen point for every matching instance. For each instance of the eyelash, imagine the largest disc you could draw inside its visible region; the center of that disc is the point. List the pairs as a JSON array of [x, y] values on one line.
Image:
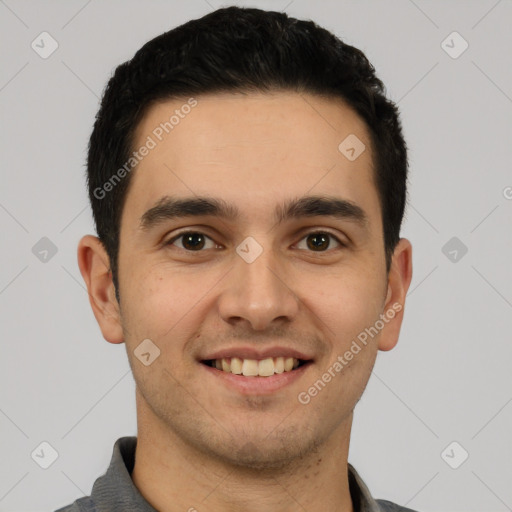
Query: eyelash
[[317, 232]]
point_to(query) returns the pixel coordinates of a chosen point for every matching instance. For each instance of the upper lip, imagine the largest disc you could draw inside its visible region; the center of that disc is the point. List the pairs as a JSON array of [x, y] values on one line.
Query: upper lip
[[254, 353]]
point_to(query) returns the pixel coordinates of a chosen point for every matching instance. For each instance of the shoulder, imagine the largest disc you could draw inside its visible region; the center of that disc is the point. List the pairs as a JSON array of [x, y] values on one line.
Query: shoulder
[[85, 504], [388, 506]]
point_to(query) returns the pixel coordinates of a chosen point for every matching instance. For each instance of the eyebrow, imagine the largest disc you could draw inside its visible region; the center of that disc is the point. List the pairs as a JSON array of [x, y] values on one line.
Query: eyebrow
[[169, 208]]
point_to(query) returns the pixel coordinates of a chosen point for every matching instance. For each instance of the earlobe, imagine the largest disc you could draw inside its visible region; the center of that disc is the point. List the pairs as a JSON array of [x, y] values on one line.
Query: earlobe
[[399, 280], [94, 265]]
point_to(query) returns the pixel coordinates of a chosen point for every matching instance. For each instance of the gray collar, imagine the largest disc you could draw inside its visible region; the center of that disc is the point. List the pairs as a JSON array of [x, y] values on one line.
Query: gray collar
[[115, 490]]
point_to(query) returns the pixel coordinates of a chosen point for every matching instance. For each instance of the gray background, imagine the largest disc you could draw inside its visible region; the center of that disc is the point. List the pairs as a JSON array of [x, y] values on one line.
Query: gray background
[[448, 379]]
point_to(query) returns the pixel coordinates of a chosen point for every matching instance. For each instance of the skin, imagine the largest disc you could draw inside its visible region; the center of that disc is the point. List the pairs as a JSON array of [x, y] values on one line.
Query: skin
[[202, 444]]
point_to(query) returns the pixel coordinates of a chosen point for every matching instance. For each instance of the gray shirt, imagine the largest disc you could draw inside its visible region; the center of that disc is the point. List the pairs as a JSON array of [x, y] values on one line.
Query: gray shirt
[[115, 491]]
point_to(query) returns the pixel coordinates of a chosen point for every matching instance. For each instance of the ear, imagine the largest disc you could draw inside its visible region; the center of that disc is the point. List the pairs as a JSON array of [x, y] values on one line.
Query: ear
[[94, 265], [399, 279]]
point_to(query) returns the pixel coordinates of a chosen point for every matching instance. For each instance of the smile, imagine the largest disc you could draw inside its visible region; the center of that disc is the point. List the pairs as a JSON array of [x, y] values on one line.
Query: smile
[[254, 367]]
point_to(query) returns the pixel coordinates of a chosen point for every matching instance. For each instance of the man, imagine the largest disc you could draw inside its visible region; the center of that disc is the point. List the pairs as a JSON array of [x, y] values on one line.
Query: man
[[247, 178]]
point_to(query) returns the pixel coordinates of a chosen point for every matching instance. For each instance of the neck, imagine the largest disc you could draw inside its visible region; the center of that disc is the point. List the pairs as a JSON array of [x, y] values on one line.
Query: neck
[[173, 476]]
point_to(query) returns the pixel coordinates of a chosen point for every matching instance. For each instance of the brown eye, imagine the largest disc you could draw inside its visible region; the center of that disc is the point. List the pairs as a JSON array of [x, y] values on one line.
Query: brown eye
[[319, 241], [192, 241]]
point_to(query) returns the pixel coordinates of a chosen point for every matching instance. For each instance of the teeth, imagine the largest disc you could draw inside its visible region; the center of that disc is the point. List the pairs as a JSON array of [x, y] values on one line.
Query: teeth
[[266, 367], [250, 368], [236, 366], [288, 364], [226, 365], [254, 368]]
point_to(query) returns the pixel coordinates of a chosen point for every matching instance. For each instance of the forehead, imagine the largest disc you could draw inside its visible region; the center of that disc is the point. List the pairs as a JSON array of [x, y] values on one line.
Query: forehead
[[256, 149]]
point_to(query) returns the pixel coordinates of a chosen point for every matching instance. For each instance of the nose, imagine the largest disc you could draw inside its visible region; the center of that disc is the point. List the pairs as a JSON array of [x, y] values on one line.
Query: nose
[[257, 293]]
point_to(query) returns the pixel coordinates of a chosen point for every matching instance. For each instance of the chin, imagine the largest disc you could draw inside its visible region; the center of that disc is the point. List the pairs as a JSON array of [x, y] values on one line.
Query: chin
[[281, 450]]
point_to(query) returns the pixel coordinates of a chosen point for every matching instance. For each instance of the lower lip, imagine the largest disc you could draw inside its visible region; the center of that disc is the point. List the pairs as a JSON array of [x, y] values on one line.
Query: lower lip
[[257, 385]]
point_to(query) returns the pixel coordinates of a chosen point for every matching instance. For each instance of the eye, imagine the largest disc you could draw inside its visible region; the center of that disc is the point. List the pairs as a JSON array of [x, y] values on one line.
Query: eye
[[192, 241], [319, 241]]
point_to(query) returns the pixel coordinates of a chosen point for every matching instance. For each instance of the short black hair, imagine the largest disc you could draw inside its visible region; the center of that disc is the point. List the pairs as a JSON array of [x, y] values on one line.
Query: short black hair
[[237, 49]]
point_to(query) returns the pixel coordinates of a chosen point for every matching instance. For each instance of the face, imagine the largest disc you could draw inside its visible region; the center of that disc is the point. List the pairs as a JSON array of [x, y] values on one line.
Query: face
[[250, 242]]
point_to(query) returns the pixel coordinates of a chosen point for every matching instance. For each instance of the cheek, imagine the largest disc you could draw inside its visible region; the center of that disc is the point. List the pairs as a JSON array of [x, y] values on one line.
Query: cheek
[[348, 306], [346, 303], [163, 303]]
